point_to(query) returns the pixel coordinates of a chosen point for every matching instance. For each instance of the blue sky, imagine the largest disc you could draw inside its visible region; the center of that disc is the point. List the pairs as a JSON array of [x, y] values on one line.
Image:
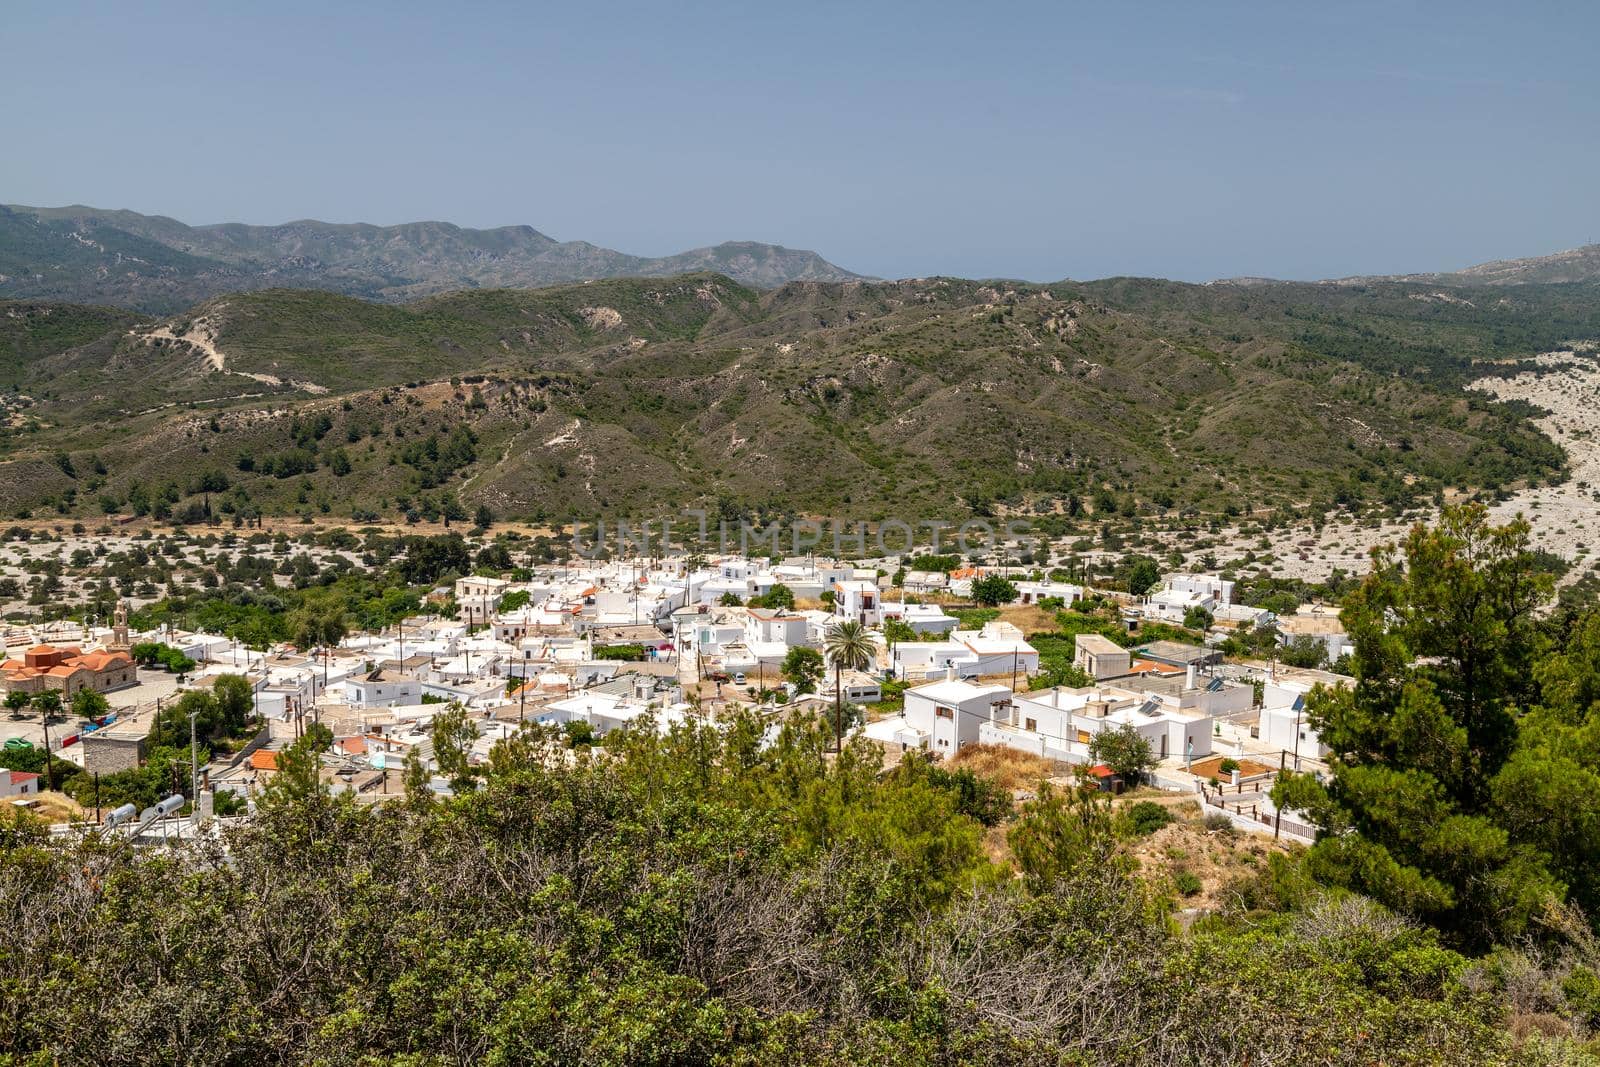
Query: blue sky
[[1039, 141]]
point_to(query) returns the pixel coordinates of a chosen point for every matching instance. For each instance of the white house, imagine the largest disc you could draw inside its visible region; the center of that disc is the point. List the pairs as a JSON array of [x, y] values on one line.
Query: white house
[[1029, 592], [999, 648], [942, 716], [1183, 593], [922, 618], [1100, 657], [1281, 723], [1321, 625], [18, 783], [923, 660], [859, 687], [858, 600], [925, 582], [382, 689], [775, 626], [475, 587], [1061, 723]]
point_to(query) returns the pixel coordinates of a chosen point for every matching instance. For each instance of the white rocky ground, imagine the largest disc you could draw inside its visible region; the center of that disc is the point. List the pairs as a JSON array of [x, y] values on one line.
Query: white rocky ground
[[1565, 518]]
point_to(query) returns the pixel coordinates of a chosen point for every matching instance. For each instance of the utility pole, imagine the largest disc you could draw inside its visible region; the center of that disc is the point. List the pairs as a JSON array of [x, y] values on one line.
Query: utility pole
[[194, 766], [1277, 822], [49, 765]]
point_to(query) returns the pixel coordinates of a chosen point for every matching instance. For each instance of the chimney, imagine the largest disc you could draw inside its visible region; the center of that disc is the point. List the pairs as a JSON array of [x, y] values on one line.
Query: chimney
[[949, 671], [1188, 676]]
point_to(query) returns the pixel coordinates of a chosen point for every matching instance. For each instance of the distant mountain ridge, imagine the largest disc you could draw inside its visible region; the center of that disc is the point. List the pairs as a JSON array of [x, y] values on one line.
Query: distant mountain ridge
[[1573, 265], [155, 263]]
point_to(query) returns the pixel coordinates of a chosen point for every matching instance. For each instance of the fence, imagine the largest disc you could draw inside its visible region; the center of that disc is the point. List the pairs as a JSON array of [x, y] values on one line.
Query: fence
[[1256, 817]]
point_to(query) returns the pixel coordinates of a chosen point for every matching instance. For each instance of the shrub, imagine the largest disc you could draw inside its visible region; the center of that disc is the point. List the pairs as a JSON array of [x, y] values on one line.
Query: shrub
[[1186, 882], [1146, 817]]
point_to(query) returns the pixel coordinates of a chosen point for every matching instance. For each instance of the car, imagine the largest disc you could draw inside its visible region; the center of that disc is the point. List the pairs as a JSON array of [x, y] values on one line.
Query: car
[[15, 743], [738, 679]]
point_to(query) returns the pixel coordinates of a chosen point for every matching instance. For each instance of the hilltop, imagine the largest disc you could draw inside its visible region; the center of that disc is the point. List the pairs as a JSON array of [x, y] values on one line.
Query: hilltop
[[1573, 265], [929, 397], [154, 263]]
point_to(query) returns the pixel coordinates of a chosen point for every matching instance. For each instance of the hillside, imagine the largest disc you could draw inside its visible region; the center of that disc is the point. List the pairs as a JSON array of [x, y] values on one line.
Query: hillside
[[158, 264], [926, 398], [1573, 265]]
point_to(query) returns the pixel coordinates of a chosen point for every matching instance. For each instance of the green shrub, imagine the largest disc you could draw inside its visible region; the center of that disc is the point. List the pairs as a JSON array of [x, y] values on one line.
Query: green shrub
[[1146, 817], [1186, 882]]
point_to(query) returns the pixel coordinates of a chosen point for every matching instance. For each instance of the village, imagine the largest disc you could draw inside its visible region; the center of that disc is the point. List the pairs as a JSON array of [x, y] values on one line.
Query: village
[[947, 661]]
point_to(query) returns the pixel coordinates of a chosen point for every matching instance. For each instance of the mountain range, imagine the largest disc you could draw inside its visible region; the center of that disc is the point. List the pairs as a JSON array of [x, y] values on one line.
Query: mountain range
[[1559, 268], [154, 263]]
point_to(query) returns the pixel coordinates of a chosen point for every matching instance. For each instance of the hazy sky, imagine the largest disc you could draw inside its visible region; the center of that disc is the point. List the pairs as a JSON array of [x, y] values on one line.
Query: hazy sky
[[1190, 140]]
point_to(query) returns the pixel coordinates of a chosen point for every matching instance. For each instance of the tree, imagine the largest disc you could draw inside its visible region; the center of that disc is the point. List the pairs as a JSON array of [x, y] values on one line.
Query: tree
[[1197, 618], [1304, 651], [298, 778], [730, 600], [897, 630], [325, 627], [848, 646], [992, 590], [1140, 574], [779, 597], [1124, 750], [89, 704], [48, 703], [453, 733], [16, 700], [1061, 831], [803, 667], [1446, 645], [235, 700]]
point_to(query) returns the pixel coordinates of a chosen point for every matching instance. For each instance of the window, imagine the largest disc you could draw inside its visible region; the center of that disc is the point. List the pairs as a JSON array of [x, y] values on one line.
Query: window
[[1030, 724], [945, 713]]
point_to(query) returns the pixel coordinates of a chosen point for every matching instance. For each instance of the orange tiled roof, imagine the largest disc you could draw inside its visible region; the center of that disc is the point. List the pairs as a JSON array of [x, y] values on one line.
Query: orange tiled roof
[[263, 760]]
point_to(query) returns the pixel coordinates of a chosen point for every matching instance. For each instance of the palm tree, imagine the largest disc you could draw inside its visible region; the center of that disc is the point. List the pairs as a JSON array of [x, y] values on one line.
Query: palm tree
[[49, 703], [847, 644]]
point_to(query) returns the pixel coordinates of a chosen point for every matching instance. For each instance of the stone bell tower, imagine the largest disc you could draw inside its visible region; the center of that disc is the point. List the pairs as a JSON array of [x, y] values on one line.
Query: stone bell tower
[[119, 627]]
